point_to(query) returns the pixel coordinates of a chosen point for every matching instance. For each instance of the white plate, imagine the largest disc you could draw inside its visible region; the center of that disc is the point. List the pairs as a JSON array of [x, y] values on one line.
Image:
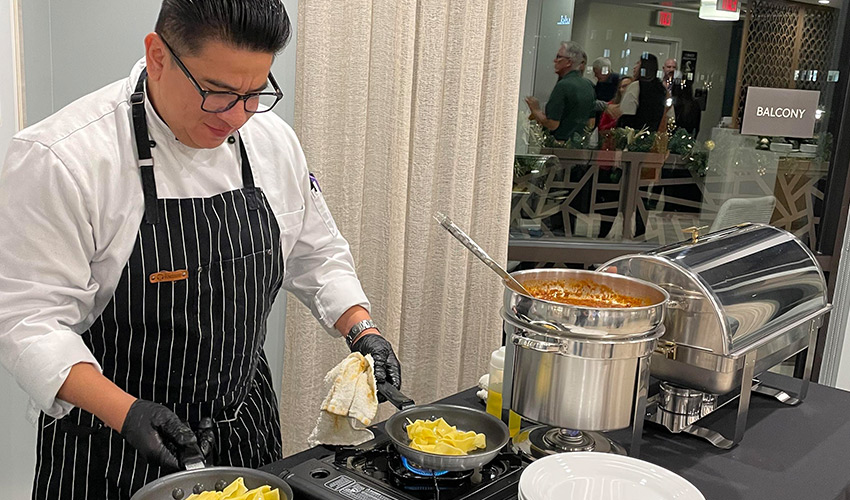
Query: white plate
[[601, 476]]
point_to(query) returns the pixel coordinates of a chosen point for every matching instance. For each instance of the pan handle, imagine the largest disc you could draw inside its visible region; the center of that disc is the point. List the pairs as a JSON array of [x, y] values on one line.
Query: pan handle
[[190, 459], [395, 396], [193, 458]]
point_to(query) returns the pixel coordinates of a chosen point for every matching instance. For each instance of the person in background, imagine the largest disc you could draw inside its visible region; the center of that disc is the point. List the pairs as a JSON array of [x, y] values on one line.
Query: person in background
[[687, 109], [645, 106], [607, 174], [569, 111], [645, 100], [688, 115], [607, 82], [671, 73], [571, 102], [612, 110]]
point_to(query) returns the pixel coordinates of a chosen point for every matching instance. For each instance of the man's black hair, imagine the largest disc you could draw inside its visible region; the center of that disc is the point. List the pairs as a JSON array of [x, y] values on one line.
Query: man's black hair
[[256, 25], [648, 66]]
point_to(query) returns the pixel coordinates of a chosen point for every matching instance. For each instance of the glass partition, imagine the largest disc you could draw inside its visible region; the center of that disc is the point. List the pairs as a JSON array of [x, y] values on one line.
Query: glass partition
[[632, 176]]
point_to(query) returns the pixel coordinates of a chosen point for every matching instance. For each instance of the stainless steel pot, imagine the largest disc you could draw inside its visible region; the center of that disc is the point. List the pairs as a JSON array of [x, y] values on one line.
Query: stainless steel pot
[[180, 485], [575, 382], [465, 419], [613, 322]]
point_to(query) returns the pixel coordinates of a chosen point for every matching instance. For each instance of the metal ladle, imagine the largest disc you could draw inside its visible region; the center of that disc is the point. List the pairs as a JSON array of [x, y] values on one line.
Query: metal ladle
[[476, 250]]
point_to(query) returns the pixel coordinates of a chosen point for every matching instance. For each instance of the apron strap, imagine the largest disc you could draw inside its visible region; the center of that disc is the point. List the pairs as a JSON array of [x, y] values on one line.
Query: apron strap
[[145, 161], [143, 149], [248, 178]]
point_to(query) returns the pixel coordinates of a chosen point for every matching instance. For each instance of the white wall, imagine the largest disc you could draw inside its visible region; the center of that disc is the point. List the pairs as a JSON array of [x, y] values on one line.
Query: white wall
[[71, 49], [541, 41], [551, 34], [8, 75], [15, 432], [527, 72]]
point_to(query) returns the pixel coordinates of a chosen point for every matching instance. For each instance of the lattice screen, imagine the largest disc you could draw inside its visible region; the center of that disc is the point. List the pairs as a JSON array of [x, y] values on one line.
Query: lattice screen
[[819, 27], [788, 45]]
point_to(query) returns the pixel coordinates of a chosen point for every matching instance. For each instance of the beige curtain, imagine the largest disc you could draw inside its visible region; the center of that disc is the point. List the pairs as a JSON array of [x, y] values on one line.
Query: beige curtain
[[405, 108]]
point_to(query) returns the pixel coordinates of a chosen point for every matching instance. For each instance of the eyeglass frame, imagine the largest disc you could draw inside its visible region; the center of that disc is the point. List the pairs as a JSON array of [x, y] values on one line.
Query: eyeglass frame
[[278, 94]]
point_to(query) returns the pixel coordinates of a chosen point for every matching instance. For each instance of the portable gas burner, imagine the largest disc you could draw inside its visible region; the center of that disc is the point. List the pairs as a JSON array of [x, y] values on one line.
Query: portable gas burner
[[542, 440], [375, 471]]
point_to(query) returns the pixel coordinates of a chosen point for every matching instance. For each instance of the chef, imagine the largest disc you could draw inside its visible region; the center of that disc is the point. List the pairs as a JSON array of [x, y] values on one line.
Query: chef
[[147, 229]]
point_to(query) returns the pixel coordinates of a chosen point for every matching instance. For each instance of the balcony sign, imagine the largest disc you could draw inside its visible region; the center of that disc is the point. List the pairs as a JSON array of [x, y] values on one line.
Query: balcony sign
[[780, 112]]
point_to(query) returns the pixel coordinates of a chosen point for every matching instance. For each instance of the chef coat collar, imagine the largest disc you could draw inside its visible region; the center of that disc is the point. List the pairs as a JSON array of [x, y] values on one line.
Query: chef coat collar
[[156, 125]]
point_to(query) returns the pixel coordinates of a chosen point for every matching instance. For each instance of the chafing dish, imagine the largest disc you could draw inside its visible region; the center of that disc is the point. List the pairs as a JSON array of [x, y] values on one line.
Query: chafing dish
[[742, 300]]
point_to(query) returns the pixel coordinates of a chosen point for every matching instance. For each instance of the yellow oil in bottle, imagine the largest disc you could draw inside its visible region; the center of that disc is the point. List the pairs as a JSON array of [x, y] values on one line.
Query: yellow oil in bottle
[[494, 407]]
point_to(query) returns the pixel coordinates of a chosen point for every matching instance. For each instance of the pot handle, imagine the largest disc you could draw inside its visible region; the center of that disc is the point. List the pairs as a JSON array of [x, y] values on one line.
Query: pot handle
[[535, 345]]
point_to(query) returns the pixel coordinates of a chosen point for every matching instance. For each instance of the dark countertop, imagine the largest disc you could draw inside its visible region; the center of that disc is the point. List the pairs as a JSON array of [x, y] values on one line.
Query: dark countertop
[[800, 452]]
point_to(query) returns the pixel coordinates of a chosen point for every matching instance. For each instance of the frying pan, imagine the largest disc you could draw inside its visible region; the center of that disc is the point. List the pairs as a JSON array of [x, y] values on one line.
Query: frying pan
[[165, 488], [465, 419], [198, 477]]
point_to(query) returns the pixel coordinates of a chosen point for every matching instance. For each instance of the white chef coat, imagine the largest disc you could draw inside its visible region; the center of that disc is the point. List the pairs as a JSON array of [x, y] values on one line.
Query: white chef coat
[[71, 208]]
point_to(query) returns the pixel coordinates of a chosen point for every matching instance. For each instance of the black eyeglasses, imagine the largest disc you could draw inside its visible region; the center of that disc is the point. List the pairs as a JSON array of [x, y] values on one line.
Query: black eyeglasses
[[221, 101]]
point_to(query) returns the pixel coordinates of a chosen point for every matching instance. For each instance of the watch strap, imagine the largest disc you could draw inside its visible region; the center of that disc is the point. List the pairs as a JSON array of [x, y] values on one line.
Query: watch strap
[[359, 328]]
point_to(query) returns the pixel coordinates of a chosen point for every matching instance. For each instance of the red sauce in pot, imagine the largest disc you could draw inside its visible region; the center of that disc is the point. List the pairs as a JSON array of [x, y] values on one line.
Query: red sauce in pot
[[582, 293]]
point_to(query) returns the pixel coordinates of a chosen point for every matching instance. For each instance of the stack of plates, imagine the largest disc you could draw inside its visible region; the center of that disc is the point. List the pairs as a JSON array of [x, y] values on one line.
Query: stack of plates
[[601, 476]]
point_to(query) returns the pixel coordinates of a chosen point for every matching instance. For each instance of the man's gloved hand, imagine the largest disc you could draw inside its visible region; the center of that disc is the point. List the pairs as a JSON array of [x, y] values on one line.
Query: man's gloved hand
[[157, 433], [387, 367]]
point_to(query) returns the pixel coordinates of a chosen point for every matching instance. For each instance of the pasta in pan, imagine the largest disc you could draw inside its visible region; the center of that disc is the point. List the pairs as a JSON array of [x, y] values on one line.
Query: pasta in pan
[[238, 491], [437, 436]]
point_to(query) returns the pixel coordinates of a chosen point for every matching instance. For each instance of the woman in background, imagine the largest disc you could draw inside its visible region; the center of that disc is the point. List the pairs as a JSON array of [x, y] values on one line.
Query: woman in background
[[688, 112], [612, 112], [643, 104]]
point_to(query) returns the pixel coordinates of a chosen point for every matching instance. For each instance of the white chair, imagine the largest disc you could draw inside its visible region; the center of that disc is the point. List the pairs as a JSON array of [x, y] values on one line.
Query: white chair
[[736, 211]]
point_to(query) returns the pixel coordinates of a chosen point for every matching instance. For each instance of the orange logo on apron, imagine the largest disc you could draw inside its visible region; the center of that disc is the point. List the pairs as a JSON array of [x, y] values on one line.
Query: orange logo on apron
[[166, 276]]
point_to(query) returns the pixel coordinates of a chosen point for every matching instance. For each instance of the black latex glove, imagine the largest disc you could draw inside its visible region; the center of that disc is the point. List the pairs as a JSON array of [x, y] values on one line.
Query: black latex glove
[[158, 434], [387, 368]]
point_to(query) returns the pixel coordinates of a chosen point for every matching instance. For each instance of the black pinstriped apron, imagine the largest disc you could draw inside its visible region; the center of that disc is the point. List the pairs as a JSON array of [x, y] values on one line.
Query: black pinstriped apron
[[184, 328]]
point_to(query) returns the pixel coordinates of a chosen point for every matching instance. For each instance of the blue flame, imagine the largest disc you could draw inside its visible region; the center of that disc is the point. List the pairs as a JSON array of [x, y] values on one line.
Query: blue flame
[[421, 472]]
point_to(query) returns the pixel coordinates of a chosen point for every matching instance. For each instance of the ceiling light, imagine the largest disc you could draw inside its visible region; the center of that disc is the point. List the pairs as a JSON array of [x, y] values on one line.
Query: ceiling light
[[708, 11], [823, 2]]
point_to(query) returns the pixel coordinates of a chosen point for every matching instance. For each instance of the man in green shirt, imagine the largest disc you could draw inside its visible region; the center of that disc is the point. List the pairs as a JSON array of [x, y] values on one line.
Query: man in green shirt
[[572, 101]]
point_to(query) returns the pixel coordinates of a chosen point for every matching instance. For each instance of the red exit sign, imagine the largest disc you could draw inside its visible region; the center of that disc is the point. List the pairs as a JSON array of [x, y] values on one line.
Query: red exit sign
[[663, 18], [727, 5]]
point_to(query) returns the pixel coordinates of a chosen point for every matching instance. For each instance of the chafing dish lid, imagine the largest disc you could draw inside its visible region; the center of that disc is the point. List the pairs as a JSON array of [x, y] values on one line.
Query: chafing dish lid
[[747, 281]]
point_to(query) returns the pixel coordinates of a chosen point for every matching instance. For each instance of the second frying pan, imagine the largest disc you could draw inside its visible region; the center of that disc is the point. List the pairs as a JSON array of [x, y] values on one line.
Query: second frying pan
[[465, 419]]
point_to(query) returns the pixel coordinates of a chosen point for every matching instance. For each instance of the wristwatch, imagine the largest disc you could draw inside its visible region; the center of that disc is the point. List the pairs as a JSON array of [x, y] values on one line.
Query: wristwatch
[[359, 328]]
